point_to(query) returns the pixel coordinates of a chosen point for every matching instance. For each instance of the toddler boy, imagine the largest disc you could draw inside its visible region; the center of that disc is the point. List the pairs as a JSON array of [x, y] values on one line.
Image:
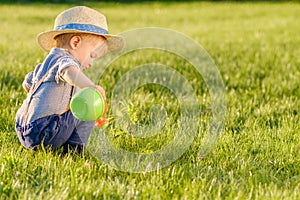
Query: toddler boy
[[79, 37]]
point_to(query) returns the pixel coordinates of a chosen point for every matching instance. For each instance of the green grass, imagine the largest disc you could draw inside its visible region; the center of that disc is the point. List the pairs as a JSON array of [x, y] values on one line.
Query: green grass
[[256, 49]]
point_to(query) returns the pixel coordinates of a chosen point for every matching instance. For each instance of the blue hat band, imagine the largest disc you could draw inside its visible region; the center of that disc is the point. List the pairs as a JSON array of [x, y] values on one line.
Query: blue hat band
[[82, 27]]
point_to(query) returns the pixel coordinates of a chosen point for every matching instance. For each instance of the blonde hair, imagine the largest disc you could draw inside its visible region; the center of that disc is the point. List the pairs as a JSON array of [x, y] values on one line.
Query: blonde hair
[[64, 39]]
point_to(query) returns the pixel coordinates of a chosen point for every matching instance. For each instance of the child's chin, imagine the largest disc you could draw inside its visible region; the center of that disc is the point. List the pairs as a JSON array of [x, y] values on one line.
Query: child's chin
[[86, 67]]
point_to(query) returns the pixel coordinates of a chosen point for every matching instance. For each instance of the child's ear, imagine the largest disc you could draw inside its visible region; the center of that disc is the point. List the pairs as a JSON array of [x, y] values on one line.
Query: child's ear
[[75, 42]]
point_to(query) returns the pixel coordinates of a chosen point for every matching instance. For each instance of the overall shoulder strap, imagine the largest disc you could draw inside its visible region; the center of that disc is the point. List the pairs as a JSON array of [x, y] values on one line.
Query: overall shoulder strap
[[32, 91], [38, 84]]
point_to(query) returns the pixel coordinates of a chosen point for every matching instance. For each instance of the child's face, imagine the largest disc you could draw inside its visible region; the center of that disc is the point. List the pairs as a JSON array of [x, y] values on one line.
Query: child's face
[[88, 49]]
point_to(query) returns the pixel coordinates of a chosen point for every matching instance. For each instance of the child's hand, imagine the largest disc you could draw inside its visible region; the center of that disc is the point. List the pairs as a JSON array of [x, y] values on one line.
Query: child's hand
[[101, 122], [26, 88], [101, 90]]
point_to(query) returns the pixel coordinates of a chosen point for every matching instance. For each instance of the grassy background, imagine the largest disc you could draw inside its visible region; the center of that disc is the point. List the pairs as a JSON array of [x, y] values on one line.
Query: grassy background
[[256, 48]]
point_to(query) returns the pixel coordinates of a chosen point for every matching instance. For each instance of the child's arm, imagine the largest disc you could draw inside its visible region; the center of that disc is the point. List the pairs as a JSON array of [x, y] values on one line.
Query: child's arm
[[25, 87], [74, 76], [27, 83]]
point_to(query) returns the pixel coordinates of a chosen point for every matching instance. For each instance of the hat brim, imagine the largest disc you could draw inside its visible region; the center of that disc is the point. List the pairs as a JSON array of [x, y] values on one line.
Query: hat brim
[[47, 42]]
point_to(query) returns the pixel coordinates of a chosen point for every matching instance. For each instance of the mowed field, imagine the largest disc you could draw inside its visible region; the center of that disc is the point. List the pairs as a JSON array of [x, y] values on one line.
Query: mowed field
[[256, 48]]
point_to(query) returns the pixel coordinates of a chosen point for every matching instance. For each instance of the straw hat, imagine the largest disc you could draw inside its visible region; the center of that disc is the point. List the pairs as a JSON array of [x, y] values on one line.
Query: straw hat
[[80, 19]]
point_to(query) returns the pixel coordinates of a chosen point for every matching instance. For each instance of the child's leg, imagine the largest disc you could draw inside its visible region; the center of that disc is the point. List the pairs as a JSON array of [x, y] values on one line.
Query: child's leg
[[79, 137], [55, 131], [51, 131], [59, 130]]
